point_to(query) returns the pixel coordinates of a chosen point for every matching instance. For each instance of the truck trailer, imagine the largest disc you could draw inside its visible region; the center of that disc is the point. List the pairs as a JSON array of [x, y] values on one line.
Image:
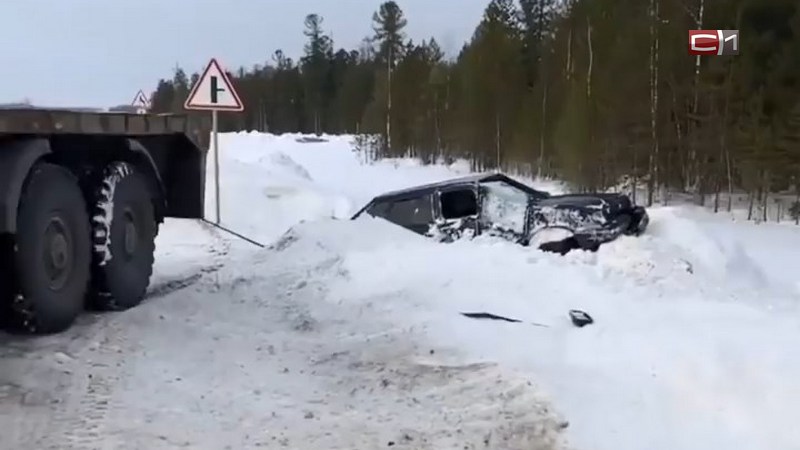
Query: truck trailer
[[82, 195]]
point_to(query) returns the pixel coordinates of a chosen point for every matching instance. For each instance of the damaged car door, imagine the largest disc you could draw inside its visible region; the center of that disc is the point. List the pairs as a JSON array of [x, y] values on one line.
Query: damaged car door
[[504, 210], [457, 211]]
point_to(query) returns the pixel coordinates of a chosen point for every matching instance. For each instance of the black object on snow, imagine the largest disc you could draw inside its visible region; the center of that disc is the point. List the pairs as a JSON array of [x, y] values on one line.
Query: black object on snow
[[580, 319], [484, 315], [310, 140]]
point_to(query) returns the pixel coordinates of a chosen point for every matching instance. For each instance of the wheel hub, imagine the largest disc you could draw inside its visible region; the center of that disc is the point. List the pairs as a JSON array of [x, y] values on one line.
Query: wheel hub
[[131, 235], [57, 253]]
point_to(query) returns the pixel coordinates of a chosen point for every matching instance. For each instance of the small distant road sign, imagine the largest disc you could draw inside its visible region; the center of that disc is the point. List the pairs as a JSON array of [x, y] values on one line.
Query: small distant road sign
[[714, 42], [214, 91], [141, 102]]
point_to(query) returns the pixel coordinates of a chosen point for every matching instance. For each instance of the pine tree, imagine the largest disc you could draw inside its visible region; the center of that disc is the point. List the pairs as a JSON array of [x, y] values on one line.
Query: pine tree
[[163, 97], [388, 25], [180, 84], [316, 67]]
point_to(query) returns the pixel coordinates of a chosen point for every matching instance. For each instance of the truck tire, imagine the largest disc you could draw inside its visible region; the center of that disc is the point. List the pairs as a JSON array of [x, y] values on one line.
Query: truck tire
[[7, 278], [53, 253], [124, 229]]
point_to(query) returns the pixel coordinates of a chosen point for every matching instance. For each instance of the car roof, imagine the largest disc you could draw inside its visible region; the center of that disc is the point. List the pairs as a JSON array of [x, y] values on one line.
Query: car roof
[[425, 189], [469, 179]]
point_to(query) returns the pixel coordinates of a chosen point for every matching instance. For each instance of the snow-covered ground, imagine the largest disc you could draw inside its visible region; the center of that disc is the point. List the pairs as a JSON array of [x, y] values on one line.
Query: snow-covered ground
[[347, 334]]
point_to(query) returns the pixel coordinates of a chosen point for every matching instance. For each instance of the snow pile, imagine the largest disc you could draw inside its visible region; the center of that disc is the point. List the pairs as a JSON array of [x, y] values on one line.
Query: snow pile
[[681, 255], [686, 369], [689, 349], [386, 375]]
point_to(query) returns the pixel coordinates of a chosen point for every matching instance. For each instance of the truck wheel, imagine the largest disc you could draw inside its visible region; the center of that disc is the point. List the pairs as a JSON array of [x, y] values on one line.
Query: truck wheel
[[124, 230], [7, 278], [53, 251]]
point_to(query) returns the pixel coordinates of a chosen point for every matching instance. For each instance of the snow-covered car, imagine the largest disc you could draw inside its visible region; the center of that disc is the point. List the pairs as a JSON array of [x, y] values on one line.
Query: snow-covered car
[[498, 205]]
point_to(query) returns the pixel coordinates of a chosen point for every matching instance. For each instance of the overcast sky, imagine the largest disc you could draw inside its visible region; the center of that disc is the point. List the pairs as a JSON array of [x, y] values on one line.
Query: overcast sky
[[101, 52]]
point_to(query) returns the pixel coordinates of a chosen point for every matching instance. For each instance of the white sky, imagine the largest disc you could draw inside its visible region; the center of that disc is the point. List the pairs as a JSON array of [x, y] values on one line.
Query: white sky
[[99, 53]]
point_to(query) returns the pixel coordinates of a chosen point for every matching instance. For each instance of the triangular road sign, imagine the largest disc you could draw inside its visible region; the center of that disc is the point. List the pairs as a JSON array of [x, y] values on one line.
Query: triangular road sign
[[214, 91], [141, 101]]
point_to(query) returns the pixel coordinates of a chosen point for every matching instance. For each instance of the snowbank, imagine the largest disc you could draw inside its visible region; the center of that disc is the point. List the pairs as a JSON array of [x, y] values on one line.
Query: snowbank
[[683, 365], [692, 343]]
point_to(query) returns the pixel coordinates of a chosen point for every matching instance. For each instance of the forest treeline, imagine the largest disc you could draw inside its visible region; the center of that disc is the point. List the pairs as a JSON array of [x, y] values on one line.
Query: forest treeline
[[594, 92]]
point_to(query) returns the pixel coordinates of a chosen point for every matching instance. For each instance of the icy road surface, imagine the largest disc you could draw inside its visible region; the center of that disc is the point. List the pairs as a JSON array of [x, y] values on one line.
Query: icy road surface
[[348, 334]]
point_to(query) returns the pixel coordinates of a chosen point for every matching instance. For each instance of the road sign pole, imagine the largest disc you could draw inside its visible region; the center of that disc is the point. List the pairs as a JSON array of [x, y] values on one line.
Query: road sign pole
[[214, 91], [215, 139]]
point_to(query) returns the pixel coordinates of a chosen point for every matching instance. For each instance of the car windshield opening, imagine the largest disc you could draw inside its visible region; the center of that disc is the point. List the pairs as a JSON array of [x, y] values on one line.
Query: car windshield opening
[[504, 206], [458, 204]]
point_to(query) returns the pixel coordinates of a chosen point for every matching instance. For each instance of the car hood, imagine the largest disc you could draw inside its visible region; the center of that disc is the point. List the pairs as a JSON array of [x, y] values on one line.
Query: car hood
[[608, 203]]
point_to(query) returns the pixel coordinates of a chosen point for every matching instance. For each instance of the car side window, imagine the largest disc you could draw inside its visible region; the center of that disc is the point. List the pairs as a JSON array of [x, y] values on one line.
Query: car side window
[[460, 203], [380, 209], [416, 211]]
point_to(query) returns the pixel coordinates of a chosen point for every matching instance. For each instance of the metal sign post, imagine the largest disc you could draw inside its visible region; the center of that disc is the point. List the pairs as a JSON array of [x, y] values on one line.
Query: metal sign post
[[215, 140], [214, 92]]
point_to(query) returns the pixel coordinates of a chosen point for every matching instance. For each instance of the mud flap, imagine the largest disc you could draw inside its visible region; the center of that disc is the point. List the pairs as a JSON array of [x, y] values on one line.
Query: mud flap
[[639, 221]]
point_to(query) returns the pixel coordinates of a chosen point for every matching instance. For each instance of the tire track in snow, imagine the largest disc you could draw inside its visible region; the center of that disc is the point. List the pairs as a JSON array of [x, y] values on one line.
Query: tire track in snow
[[82, 370]]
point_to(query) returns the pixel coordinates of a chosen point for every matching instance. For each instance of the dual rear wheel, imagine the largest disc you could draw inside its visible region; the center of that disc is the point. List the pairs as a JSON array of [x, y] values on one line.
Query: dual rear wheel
[[70, 252]]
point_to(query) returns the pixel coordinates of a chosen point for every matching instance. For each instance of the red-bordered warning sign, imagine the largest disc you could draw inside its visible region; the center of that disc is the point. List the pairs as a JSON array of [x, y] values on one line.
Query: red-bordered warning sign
[[214, 91]]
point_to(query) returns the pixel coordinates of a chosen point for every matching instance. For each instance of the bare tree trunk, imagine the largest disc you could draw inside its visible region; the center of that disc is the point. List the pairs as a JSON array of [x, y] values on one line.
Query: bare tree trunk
[[634, 177], [678, 137], [497, 138], [694, 172], [765, 192], [665, 198], [702, 190], [591, 59], [723, 135], [725, 116], [542, 131], [797, 200], [751, 199], [654, 160], [568, 69], [389, 101], [436, 126]]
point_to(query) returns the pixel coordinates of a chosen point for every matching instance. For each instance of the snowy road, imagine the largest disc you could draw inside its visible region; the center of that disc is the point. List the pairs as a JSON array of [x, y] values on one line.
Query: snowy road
[[347, 334], [256, 362]]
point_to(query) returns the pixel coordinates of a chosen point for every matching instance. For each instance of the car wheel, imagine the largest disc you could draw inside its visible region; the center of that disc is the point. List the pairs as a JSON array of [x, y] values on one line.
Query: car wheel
[[554, 240]]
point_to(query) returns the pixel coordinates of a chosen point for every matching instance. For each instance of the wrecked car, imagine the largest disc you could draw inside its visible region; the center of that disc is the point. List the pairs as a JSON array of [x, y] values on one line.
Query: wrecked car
[[498, 205]]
